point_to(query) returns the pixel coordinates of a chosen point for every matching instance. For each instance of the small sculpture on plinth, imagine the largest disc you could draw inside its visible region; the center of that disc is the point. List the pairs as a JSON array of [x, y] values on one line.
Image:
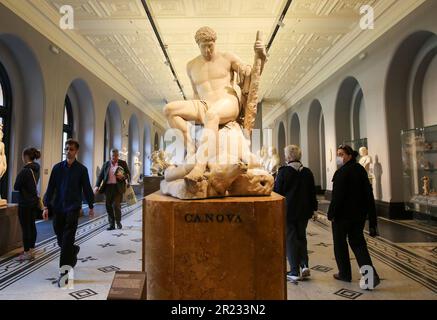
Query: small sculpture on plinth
[[3, 164], [273, 162], [160, 161], [263, 157], [222, 161], [425, 186], [366, 161], [137, 169], [123, 154]]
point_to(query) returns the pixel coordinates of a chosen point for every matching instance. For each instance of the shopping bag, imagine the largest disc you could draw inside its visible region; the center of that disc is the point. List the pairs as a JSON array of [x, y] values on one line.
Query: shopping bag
[[129, 196]]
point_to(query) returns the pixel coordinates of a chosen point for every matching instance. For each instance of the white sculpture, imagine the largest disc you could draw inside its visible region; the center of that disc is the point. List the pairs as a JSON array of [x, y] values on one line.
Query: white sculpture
[[123, 154], [263, 157], [160, 161], [365, 159], [366, 162], [274, 161], [137, 169], [223, 153], [3, 164]]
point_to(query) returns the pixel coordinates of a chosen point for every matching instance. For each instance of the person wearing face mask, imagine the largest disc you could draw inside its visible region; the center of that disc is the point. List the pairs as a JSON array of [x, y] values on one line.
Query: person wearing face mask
[[352, 201], [296, 184]]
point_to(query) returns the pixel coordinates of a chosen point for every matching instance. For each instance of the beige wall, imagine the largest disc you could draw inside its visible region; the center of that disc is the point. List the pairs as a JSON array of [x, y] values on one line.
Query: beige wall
[[57, 72], [371, 74]]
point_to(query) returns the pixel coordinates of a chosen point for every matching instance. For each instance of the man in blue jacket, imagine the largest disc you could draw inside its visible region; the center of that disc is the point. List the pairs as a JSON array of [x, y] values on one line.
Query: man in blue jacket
[[68, 180]]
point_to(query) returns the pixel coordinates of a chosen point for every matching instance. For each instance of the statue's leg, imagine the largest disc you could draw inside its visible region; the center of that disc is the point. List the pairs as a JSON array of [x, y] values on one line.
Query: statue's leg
[[179, 114], [221, 112]]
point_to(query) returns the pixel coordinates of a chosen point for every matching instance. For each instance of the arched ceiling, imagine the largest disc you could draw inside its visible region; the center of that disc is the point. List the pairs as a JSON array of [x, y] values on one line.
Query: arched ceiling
[[115, 39]]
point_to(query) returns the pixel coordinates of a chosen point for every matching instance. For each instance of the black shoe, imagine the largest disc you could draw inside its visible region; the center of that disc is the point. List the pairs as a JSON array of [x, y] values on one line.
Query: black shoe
[[119, 226], [338, 277], [110, 228]]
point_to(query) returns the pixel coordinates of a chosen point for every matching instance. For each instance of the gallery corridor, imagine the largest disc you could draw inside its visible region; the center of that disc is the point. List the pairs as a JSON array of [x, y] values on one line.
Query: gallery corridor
[[408, 269]]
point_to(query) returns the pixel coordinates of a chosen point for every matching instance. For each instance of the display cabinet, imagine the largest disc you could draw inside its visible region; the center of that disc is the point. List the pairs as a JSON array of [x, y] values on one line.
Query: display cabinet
[[419, 159]]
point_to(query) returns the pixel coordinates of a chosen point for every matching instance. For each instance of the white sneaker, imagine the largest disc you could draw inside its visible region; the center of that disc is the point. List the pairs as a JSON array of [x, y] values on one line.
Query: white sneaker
[[25, 256], [292, 278], [305, 273]]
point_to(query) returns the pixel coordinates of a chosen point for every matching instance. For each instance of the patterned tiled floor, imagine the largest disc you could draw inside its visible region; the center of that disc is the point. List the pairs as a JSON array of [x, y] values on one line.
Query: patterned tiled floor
[[406, 274], [101, 254], [400, 272]]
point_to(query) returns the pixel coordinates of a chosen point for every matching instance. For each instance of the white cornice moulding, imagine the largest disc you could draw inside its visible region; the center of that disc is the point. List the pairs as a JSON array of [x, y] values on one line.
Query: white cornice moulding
[[389, 13], [35, 13]]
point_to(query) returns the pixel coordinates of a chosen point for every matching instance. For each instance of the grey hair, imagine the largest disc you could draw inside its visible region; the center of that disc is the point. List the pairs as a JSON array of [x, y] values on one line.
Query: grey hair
[[293, 153], [115, 150]]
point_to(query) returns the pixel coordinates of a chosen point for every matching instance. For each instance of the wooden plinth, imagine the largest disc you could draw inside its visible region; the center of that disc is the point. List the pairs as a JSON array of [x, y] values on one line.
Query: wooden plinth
[[10, 229], [229, 248]]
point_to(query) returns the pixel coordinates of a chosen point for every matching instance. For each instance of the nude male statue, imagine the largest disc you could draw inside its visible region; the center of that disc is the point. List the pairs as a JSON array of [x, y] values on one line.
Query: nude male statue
[[215, 100]]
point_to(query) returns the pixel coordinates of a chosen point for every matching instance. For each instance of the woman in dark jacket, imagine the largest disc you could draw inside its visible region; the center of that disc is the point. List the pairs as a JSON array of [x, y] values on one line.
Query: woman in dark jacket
[[352, 201], [28, 203], [296, 184]]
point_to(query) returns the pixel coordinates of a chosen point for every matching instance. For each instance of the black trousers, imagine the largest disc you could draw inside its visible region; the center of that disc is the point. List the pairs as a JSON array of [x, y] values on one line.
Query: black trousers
[[65, 226], [345, 231], [113, 204], [27, 222], [297, 251]]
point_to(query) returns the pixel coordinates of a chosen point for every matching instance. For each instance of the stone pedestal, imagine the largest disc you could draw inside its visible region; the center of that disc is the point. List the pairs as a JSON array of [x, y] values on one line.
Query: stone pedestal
[[227, 248], [151, 184], [10, 229], [138, 189]]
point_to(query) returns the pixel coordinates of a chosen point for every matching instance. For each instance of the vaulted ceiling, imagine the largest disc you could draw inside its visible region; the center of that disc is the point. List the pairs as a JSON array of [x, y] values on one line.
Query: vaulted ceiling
[[115, 39]]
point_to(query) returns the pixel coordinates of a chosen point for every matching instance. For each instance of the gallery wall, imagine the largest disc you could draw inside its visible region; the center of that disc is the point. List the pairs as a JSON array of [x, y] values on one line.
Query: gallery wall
[[40, 80], [384, 75]]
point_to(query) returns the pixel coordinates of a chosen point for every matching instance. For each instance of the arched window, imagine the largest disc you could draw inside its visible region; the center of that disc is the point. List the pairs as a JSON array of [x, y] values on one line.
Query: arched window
[[67, 132], [5, 120]]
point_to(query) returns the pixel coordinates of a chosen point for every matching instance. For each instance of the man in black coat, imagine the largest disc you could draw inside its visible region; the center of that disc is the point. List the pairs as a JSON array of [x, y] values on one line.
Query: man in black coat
[[112, 181], [352, 201], [69, 180], [296, 184]]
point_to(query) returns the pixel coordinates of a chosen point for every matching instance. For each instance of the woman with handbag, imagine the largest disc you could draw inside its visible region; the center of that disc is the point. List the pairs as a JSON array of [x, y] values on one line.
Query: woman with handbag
[[29, 202]]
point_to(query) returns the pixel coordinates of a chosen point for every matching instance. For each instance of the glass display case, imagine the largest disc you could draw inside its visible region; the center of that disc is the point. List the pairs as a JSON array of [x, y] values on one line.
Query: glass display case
[[419, 159]]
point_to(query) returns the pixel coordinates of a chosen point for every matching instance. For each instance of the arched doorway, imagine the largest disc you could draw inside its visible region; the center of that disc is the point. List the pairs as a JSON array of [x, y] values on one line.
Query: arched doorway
[[147, 140], [5, 125], [112, 129], [22, 110], [134, 140], [156, 142], [295, 130], [316, 143], [281, 142], [410, 103], [82, 106], [350, 120]]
